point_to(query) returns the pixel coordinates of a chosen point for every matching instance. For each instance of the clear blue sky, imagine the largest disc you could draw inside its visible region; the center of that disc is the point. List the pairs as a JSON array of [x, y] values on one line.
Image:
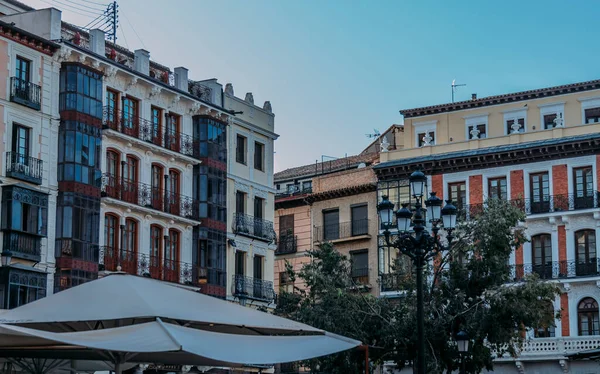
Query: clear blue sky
[[335, 70]]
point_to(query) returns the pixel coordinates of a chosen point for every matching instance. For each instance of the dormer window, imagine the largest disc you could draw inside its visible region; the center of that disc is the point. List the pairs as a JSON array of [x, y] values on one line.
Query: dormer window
[[477, 131], [552, 115], [425, 133], [590, 109], [426, 138], [592, 115], [515, 121], [476, 126], [515, 125]]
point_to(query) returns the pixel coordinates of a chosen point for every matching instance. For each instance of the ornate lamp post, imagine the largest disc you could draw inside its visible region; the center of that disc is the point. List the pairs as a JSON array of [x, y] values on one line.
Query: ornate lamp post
[[416, 242], [462, 341]]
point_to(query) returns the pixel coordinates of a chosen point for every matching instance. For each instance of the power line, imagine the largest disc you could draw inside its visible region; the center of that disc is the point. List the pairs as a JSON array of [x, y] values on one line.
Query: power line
[[136, 34], [80, 9], [67, 10], [93, 2], [83, 5], [124, 38], [93, 22]]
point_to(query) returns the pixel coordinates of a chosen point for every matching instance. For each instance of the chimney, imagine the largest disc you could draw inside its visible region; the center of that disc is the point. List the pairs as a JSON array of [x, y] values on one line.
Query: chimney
[[141, 61], [181, 78], [97, 44], [474, 96]]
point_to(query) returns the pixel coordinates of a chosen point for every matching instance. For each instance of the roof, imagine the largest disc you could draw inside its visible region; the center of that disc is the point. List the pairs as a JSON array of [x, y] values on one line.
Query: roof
[[319, 168], [19, 4], [502, 99], [389, 129], [28, 39]]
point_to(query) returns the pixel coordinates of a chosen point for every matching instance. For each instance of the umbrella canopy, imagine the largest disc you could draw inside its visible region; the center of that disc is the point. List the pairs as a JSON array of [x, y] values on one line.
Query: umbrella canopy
[[168, 344], [121, 299]]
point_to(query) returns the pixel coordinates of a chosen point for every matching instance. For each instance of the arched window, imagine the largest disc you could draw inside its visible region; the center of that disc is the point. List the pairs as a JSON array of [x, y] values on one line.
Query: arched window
[[130, 179], [587, 317], [585, 252], [171, 261], [156, 248], [111, 242], [174, 186], [541, 252], [157, 186], [112, 173], [129, 247], [546, 330]]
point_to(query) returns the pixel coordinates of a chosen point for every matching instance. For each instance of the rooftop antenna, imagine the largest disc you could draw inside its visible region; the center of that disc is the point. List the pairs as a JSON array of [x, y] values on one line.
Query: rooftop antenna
[[374, 134], [454, 85]]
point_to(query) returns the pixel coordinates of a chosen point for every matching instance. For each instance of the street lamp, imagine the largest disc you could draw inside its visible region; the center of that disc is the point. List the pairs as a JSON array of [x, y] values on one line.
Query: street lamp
[[462, 341], [416, 242], [6, 257]]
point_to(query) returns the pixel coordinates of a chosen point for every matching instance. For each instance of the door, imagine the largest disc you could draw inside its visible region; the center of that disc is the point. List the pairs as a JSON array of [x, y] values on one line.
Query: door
[[585, 252], [112, 174], [129, 248], [172, 132], [130, 180], [259, 290], [156, 130], [171, 261], [360, 220], [497, 188], [584, 188], [240, 279], [331, 225], [540, 193], [130, 117], [259, 229], [23, 76], [111, 114], [20, 148], [174, 198], [156, 187], [286, 243], [542, 255], [111, 242], [156, 240]]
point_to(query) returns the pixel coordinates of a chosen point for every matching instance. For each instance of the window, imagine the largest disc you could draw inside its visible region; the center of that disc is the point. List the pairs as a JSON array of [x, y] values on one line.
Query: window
[[156, 185], [259, 156], [360, 220], [172, 137], [24, 210], [307, 186], [22, 287], [130, 236], [541, 246], [23, 71], [584, 187], [587, 317], [174, 189], [130, 178], [130, 116], [585, 252], [552, 115], [482, 131], [111, 231], [331, 224], [112, 107], [549, 121], [156, 118], [240, 202], [20, 144], [240, 150], [258, 267], [421, 138], [172, 250], [79, 147], [240, 263], [497, 188], [511, 122], [286, 227], [285, 283], [539, 184], [546, 331], [212, 135], [360, 267], [258, 207], [80, 90], [592, 115], [156, 240], [77, 226], [458, 194]]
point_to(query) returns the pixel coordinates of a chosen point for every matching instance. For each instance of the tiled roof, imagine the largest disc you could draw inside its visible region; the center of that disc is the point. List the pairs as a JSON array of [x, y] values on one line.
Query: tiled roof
[[502, 99], [326, 167]]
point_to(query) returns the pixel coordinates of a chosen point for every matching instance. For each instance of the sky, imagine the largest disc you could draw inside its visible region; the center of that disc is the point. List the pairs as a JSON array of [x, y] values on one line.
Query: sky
[[336, 70]]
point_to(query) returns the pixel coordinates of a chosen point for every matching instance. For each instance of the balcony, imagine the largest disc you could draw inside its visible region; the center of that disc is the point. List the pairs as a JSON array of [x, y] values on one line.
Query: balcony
[[343, 231], [23, 245], [23, 167], [253, 227], [558, 269], [25, 93], [554, 348], [253, 288], [211, 281], [150, 197], [561, 203], [287, 245], [145, 130], [293, 191]]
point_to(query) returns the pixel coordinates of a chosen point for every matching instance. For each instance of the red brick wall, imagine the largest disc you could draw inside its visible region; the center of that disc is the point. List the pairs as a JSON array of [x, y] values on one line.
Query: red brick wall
[[475, 189], [517, 186], [437, 185], [564, 320], [562, 244], [560, 180]]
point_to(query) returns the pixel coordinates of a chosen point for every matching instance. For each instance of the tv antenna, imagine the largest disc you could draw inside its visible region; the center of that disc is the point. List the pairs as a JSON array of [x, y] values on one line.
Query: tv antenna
[[454, 85], [375, 134]]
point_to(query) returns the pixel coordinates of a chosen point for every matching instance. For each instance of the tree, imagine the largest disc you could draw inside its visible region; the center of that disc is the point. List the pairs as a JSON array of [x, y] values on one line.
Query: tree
[[471, 287]]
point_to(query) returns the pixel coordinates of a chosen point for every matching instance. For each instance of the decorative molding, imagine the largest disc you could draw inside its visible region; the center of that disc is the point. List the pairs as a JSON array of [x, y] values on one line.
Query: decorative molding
[[63, 55], [131, 83], [81, 58], [267, 107], [243, 187], [241, 246], [229, 89], [551, 104], [520, 367], [260, 251], [249, 98], [96, 64], [175, 100], [566, 287], [260, 193], [110, 71], [195, 108], [564, 364], [154, 92]]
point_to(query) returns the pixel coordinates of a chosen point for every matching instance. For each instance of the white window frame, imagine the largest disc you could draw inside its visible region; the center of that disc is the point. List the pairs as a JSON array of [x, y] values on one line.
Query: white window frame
[[515, 114], [425, 127], [474, 120], [588, 103], [552, 108]]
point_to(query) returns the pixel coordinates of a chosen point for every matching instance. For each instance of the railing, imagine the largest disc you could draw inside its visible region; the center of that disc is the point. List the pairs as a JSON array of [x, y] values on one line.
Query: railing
[[558, 269], [244, 224], [294, 191], [557, 347], [287, 245], [150, 197], [25, 93], [253, 288], [145, 130], [390, 282], [342, 230], [561, 203], [156, 267], [23, 245], [24, 167]]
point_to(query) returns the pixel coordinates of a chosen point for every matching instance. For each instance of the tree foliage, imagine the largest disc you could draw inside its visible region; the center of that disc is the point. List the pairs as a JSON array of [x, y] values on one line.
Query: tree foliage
[[471, 288]]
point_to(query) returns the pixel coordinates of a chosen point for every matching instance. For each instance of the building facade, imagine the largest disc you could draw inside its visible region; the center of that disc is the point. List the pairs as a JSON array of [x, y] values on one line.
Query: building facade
[[28, 110], [539, 149], [251, 236]]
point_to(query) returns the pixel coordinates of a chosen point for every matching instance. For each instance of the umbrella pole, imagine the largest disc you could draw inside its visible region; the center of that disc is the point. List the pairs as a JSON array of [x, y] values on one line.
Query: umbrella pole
[[118, 369]]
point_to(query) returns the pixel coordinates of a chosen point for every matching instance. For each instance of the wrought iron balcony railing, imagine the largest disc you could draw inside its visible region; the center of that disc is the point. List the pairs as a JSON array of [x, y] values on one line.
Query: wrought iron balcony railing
[[157, 267], [390, 282], [287, 244], [258, 228], [561, 203], [147, 131], [342, 230], [24, 167], [23, 245], [293, 191], [247, 287], [150, 197], [558, 269], [25, 93]]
